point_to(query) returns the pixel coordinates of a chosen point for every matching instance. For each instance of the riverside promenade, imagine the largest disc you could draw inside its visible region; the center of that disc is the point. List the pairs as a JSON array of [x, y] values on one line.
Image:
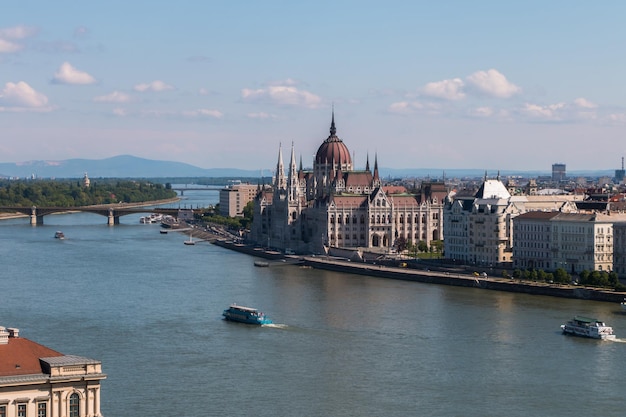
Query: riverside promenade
[[432, 277]]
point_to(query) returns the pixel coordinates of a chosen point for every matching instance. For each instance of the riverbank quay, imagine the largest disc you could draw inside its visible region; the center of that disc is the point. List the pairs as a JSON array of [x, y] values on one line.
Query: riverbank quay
[[466, 280], [433, 277]]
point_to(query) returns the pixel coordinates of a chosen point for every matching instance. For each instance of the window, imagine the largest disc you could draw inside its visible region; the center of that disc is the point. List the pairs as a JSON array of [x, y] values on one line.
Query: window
[[42, 409], [3, 410], [21, 410], [74, 405]]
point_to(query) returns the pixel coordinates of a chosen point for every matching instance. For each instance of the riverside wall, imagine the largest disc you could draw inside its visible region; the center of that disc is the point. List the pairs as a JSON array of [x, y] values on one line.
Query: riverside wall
[[434, 277]]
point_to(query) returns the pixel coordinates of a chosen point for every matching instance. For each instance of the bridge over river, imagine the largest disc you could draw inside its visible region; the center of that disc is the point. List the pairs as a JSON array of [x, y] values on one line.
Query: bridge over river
[[112, 213]]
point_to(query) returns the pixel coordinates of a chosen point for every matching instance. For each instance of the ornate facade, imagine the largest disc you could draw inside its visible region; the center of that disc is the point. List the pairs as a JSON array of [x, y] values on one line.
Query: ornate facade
[[335, 206]]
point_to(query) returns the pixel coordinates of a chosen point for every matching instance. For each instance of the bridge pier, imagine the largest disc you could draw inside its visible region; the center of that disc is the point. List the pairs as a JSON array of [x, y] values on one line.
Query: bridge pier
[[34, 218], [112, 220]]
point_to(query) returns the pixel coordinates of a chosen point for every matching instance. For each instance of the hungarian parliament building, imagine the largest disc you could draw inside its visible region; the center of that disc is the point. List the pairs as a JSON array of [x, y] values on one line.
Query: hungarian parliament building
[[337, 206]]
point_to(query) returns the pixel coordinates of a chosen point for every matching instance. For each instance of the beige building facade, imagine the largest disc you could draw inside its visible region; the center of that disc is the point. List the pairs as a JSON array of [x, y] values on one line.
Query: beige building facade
[[479, 226], [234, 198], [38, 381]]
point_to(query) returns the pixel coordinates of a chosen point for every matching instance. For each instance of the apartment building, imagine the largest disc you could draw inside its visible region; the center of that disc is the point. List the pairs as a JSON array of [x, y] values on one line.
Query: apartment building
[[235, 197], [478, 228]]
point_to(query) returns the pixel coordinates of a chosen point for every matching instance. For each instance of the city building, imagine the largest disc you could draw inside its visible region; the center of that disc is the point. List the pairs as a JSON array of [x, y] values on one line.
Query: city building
[[558, 172], [478, 227], [619, 247], [38, 381], [235, 197], [620, 174], [335, 205], [532, 234]]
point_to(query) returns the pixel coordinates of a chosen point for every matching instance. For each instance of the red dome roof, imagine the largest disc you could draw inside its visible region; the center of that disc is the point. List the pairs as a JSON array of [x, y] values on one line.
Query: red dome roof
[[333, 150]]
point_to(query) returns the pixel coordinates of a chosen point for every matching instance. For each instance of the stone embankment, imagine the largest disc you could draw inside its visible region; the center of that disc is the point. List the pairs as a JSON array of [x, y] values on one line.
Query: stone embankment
[[434, 277]]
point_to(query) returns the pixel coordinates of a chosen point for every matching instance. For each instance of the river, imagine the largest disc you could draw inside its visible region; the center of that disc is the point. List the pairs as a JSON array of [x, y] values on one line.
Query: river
[[149, 307]]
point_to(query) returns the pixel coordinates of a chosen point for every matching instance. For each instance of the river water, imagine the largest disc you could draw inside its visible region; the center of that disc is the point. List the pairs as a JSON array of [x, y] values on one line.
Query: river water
[[150, 308]]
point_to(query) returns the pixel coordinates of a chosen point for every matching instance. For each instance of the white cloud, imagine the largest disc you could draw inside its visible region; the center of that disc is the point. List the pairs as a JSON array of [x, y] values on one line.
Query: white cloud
[[67, 74], [9, 36], [482, 112], [120, 112], [7, 47], [261, 115], [550, 112], [446, 89], [114, 97], [156, 85], [408, 107], [617, 118], [204, 113], [283, 95], [17, 32], [289, 81], [22, 97], [493, 83], [584, 103], [81, 32]]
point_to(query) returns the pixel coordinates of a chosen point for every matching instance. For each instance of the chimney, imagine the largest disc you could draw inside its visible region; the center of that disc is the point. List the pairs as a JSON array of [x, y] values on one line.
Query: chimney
[[14, 332], [4, 336]]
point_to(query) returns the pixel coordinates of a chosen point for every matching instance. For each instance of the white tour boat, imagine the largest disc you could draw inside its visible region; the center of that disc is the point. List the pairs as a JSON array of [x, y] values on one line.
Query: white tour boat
[[588, 327]]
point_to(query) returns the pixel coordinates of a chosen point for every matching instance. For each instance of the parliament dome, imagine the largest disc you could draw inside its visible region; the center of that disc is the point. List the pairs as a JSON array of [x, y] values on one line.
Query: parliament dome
[[333, 151]]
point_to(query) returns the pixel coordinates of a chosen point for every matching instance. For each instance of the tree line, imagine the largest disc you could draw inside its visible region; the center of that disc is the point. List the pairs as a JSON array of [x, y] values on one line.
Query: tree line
[[72, 193]]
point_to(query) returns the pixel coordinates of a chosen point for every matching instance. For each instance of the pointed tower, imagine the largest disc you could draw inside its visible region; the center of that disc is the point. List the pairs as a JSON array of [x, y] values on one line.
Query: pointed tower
[[280, 182], [376, 179], [292, 177]]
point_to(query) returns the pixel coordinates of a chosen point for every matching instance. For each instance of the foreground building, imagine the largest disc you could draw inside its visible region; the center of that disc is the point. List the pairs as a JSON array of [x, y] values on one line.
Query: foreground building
[[38, 381], [336, 206]]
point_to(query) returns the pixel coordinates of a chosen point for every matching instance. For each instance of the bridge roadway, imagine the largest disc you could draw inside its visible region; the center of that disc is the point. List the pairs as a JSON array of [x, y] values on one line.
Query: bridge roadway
[[207, 188], [112, 213]]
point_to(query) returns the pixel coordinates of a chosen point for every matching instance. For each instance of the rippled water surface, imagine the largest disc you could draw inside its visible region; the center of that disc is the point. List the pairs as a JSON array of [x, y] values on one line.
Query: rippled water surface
[[150, 308]]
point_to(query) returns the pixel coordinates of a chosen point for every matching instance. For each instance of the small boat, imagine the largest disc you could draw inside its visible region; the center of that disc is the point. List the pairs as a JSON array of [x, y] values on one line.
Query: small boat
[[163, 231], [261, 263], [246, 315], [59, 235], [588, 327], [190, 241], [623, 304]]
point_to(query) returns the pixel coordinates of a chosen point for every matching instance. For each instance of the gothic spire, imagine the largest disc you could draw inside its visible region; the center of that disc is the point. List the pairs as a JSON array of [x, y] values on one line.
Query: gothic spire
[[333, 130], [367, 162], [280, 169], [376, 167]]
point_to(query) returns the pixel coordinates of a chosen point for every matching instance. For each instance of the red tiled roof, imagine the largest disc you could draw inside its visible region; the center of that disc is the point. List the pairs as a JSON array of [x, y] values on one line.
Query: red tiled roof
[[21, 357], [355, 179], [394, 189], [404, 201], [349, 201]]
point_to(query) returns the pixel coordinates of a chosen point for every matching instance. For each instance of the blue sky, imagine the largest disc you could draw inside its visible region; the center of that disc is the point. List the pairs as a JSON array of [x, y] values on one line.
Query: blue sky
[[422, 84]]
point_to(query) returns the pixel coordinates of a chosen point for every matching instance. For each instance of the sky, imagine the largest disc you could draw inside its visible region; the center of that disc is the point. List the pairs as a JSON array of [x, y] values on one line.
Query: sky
[[494, 85]]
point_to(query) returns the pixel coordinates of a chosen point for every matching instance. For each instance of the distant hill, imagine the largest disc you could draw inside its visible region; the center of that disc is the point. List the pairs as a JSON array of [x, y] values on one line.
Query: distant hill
[[124, 166], [127, 166]]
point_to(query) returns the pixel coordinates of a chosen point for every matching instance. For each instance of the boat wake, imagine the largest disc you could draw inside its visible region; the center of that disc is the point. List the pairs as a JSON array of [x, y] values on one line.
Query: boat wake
[[275, 325], [617, 340]]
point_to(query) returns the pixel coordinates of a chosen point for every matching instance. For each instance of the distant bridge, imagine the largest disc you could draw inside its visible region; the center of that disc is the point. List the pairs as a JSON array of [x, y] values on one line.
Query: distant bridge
[[206, 188], [112, 213]]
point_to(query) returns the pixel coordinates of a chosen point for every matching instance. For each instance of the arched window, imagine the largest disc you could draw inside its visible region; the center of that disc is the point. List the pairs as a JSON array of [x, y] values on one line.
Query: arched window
[[74, 405]]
